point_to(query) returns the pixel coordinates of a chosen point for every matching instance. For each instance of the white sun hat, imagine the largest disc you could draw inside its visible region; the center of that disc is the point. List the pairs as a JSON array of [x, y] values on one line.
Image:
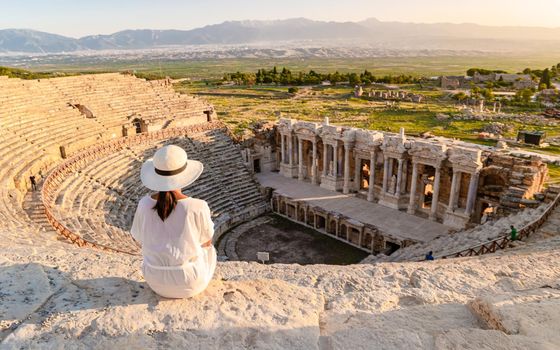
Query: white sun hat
[[170, 169]]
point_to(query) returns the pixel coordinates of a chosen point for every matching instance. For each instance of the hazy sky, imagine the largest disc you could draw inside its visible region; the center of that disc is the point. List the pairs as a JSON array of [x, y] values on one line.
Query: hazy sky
[[83, 17]]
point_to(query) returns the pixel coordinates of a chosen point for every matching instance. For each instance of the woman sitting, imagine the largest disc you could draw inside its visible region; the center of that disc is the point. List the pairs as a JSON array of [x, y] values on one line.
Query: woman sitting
[[175, 231]]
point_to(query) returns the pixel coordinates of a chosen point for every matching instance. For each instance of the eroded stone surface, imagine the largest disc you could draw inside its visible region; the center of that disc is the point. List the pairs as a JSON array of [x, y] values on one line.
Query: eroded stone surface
[[469, 338], [96, 313], [100, 300], [407, 328], [531, 313]]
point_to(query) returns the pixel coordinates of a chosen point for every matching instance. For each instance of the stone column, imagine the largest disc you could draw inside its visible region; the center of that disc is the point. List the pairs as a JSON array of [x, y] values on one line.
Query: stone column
[[325, 158], [314, 163], [454, 189], [371, 176], [315, 221], [346, 187], [336, 228], [413, 185], [357, 173], [473, 185], [385, 173], [399, 177], [360, 237], [435, 196], [283, 147], [404, 176], [296, 148], [390, 173], [290, 151], [335, 160], [300, 159]]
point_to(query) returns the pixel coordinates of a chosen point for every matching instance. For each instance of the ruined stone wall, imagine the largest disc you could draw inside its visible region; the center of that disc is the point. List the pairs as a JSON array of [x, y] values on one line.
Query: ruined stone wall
[[523, 179]]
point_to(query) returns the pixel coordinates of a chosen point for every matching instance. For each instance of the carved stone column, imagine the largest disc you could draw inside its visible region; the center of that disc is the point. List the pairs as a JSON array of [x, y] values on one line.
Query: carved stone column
[[283, 148], [399, 177], [390, 173], [346, 187], [385, 173], [325, 158], [413, 185], [435, 195], [361, 236], [371, 186], [300, 159], [335, 160], [404, 177], [314, 163], [290, 151], [357, 173], [471, 198], [455, 182], [296, 148]]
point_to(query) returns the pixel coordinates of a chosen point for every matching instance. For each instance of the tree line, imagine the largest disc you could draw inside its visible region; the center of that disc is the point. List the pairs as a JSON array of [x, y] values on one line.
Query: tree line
[[544, 76], [286, 77]]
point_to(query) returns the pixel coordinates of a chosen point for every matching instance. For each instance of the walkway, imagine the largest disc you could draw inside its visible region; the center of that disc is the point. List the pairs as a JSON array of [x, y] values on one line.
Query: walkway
[[396, 223], [33, 207]]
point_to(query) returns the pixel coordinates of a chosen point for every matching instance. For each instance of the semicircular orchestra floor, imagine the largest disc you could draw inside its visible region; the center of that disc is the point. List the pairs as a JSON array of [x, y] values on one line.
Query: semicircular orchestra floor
[[286, 242]]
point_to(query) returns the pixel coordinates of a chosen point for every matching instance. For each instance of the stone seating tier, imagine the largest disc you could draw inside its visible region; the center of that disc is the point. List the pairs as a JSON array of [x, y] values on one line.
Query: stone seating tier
[[37, 117], [97, 201]]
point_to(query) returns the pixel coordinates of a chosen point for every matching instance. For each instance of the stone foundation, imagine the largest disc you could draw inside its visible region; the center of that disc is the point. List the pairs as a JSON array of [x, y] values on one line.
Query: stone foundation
[[360, 235]]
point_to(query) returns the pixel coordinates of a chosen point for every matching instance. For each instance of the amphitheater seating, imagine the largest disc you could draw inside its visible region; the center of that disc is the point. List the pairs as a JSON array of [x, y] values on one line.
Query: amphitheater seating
[[99, 201], [37, 117]]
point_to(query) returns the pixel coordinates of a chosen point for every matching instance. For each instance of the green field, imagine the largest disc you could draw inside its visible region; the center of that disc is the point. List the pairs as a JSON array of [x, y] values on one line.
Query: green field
[[238, 106], [215, 68]]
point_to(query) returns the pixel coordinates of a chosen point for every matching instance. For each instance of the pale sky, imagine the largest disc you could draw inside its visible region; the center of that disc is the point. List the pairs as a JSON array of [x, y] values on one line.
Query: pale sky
[[77, 18]]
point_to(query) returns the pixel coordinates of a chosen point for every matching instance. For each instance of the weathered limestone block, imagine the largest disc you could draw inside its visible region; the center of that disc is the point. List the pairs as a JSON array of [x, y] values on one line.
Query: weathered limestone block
[[23, 289], [471, 338], [256, 314], [514, 181], [532, 313], [364, 330]]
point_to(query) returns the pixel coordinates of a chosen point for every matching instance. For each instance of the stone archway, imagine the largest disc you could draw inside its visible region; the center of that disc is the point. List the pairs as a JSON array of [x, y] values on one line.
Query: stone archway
[[493, 183], [343, 231], [310, 217], [301, 214], [282, 209], [367, 240], [332, 227], [140, 125]]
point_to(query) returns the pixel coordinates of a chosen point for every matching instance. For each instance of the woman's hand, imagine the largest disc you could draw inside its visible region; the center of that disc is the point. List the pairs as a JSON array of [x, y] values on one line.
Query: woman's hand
[[207, 244]]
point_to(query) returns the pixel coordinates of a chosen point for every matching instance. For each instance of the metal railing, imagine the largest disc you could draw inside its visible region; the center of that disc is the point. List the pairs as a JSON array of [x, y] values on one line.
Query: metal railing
[[503, 241]]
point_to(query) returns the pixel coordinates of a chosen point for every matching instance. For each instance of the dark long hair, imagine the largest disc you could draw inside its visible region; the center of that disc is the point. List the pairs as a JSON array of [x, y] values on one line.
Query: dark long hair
[[166, 202]]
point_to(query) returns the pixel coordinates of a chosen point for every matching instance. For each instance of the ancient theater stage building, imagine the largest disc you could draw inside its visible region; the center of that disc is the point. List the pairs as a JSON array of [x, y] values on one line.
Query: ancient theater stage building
[[348, 218], [370, 180]]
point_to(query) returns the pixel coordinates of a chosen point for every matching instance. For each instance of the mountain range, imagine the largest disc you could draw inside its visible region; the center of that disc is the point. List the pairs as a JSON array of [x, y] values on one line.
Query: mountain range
[[371, 31]]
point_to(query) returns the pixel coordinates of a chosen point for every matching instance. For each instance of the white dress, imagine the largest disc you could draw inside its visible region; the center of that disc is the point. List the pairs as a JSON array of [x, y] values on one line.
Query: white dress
[[175, 265]]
